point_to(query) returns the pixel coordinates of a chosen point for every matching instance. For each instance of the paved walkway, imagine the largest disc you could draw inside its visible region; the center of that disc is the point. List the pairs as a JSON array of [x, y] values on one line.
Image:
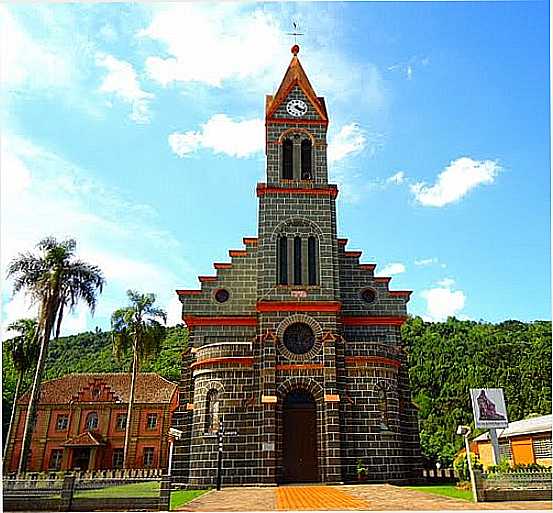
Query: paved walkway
[[342, 498]]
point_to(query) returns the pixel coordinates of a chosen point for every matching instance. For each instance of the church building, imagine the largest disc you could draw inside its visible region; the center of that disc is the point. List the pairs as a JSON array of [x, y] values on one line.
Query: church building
[[294, 345]]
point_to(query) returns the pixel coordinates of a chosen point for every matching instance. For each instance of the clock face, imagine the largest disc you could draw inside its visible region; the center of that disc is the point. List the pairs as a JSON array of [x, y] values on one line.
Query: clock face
[[296, 108]]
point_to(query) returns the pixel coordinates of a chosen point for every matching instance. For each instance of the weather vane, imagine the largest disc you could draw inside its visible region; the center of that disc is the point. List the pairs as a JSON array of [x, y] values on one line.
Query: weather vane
[[296, 32]]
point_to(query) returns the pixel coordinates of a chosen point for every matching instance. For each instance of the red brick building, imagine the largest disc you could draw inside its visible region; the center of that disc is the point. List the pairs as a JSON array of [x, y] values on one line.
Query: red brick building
[[81, 421]]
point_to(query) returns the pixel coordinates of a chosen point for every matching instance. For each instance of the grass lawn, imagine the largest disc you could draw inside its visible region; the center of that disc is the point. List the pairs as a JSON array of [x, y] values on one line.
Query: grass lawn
[[146, 489], [447, 490], [181, 497]]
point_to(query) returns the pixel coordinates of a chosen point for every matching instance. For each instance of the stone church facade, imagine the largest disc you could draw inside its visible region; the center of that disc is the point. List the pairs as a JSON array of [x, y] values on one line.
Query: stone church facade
[[294, 344]]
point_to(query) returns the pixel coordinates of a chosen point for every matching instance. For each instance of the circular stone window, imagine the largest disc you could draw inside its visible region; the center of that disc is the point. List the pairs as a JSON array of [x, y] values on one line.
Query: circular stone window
[[222, 296], [298, 338], [368, 295]]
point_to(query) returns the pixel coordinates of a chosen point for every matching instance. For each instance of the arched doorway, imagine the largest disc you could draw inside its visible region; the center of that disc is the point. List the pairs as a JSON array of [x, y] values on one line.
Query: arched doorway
[[299, 432]]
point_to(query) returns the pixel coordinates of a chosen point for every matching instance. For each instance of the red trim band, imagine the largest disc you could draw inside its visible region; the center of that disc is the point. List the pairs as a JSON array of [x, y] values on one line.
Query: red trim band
[[373, 320], [263, 189], [299, 306], [359, 361], [243, 361], [194, 320], [249, 240], [294, 121], [353, 254], [383, 279], [342, 242]]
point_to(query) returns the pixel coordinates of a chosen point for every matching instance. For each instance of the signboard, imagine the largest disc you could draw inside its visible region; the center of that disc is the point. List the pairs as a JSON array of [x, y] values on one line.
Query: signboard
[[488, 406]]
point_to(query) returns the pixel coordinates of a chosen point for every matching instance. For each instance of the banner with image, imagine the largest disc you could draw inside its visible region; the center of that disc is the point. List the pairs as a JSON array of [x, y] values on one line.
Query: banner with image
[[488, 406]]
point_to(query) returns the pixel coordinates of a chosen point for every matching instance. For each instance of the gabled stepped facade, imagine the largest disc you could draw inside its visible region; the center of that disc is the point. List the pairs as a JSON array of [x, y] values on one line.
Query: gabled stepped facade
[[294, 344]]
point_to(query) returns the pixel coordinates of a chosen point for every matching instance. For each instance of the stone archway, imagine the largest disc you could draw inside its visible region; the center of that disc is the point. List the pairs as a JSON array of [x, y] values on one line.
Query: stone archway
[[300, 461]]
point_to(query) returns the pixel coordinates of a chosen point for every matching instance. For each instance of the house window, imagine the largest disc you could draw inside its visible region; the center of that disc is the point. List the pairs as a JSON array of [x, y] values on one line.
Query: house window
[[505, 452], [121, 422], [55, 459], [151, 421], [287, 159], [306, 160], [212, 420], [542, 448], [96, 393], [62, 421], [148, 457], [92, 421], [117, 458]]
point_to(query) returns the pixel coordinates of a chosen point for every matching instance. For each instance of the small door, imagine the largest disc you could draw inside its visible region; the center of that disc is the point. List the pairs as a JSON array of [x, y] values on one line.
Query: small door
[[299, 424], [81, 458]]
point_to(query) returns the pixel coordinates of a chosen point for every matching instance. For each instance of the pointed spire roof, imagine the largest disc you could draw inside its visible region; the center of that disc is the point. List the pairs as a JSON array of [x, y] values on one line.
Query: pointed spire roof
[[295, 75]]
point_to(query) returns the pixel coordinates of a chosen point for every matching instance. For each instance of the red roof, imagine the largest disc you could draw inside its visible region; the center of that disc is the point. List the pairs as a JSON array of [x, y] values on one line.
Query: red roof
[[150, 388]]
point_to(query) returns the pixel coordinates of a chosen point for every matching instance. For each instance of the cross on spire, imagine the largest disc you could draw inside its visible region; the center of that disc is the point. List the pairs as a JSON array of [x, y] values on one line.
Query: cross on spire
[[295, 32]]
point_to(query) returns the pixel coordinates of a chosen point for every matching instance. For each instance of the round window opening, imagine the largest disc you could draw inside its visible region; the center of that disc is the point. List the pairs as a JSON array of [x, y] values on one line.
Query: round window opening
[[222, 295], [368, 295], [298, 338]]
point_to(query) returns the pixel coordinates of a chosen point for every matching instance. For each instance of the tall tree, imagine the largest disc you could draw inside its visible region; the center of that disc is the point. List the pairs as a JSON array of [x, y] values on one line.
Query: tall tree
[[136, 327], [56, 281], [23, 350]]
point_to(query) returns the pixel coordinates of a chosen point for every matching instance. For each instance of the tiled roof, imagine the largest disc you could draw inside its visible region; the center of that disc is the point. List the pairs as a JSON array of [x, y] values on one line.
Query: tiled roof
[[86, 439], [150, 387], [522, 427]]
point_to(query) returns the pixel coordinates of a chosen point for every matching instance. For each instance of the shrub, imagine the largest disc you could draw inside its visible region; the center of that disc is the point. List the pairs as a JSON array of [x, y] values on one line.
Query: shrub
[[461, 466]]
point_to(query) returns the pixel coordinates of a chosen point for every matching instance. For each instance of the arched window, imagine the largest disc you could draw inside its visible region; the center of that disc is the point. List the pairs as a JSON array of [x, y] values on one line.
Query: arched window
[[212, 420], [287, 159], [282, 251], [297, 261], [312, 260], [92, 421], [306, 173], [382, 398]]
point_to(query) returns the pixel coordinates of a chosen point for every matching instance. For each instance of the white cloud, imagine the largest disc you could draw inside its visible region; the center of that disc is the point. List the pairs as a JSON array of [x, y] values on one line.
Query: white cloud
[[212, 44], [455, 181], [391, 269], [424, 262], [55, 197], [446, 282], [222, 134], [174, 312], [397, 178], [443, 302], [350, 140], [122, 81]]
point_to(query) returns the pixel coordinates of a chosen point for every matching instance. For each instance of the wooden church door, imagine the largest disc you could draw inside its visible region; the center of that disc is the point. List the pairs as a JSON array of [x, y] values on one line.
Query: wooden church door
[[299, 422]]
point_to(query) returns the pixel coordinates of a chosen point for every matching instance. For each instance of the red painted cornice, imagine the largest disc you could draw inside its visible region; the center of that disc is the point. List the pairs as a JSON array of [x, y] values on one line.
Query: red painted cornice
[[249, 240], [194, 320], [401, 293], [331, 190], [383, 279], [353, 254], [237, 252], [188, 292], [222, 265], [367, 267], [299, 306], [373, 320], [294, 121], [207, 278]]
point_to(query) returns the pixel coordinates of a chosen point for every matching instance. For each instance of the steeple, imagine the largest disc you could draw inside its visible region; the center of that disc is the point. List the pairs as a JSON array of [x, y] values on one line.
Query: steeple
[[295, 76]]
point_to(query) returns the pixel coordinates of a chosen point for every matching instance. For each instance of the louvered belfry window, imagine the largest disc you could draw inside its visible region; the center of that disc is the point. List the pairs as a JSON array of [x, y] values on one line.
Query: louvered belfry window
[[287, 159], [306, 173], [312, 260], [283, 261], [297, 261]]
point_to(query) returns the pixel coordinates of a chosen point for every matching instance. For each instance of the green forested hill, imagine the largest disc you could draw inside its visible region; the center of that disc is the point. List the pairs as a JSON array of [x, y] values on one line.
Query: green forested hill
[[446, 359]]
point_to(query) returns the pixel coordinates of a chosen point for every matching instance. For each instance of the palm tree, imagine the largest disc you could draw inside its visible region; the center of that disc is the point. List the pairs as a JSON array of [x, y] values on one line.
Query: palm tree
[[136, 327], [56, 281], [23, 350]]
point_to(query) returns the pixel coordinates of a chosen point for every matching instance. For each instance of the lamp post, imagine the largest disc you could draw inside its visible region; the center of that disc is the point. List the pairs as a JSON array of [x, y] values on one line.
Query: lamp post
[[465, 432], [174, 434]]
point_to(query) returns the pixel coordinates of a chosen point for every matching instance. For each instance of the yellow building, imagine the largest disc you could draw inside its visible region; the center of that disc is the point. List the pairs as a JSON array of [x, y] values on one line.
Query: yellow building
[[522, 442]]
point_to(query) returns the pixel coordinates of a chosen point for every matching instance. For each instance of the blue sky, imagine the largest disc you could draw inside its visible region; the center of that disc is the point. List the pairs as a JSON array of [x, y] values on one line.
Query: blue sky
[[138, 130]]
